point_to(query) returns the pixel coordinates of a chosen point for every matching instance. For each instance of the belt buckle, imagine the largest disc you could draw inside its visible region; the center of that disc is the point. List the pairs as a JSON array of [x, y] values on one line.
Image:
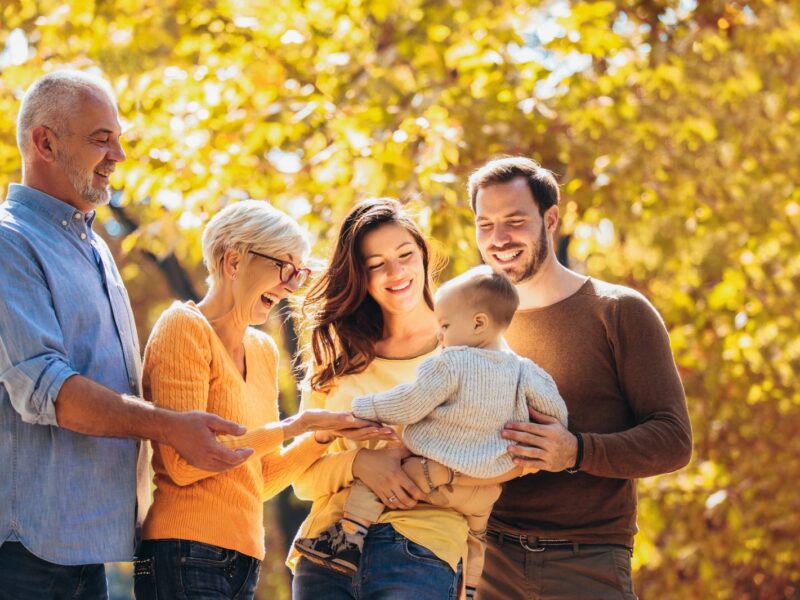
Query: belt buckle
[[523, 541]]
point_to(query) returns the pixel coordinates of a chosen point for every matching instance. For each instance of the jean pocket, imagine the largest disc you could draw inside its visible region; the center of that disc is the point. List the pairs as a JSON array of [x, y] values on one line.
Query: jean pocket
[[206, 555], [144, 579], [420, 553]]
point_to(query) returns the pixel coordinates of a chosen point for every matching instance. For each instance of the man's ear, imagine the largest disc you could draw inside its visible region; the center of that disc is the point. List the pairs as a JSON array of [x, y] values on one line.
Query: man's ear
[[43, 139], [480, 322], [550, 217], [231, 261]]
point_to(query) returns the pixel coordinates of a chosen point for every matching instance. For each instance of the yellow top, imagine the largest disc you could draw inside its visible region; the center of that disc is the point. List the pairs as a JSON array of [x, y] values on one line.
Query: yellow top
[[186, 368], [326, 483]]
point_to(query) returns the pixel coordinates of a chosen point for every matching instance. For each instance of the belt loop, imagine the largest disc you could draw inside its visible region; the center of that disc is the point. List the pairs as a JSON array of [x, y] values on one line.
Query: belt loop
[[501, 538], [575, 548]]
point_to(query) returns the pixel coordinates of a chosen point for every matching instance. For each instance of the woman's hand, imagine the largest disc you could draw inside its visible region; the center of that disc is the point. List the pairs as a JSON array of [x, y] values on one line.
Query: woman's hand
[[375, 431], [323, 420], [381, 472]]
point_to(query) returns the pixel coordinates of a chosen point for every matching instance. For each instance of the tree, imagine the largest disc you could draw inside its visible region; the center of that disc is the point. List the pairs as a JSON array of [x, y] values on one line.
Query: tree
[[670, 123]]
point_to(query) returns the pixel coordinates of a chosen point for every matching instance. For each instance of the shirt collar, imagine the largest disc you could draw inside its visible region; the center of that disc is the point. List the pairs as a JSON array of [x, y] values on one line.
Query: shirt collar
[[46, 205]]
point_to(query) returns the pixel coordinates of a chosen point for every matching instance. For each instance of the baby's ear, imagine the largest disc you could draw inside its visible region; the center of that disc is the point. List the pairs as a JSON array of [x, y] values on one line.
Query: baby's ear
[[480, 322]]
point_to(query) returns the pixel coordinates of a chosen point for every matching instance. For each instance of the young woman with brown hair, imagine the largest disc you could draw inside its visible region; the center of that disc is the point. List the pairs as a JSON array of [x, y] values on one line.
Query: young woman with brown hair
[[372, 324]]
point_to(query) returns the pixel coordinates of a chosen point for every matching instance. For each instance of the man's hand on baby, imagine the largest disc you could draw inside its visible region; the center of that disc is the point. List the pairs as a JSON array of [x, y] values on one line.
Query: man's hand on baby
[[543, 444]]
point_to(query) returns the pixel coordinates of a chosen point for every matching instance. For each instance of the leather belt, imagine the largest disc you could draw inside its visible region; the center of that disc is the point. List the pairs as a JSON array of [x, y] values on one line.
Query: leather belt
[[538, 544]]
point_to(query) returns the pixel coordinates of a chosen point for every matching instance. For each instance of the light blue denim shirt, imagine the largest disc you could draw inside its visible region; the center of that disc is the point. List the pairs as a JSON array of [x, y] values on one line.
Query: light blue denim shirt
[[69, 498]]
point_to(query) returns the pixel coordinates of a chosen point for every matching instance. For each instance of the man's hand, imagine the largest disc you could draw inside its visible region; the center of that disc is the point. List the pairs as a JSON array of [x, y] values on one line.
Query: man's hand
[[544, 444], [381, 472], [194, 435]]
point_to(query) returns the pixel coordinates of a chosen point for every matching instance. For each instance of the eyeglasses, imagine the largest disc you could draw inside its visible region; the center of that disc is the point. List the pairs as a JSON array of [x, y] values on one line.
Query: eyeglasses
[[287, 270]]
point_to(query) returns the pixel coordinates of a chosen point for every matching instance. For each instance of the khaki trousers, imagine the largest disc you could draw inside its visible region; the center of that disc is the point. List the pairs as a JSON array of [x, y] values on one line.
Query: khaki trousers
[[577, 572]]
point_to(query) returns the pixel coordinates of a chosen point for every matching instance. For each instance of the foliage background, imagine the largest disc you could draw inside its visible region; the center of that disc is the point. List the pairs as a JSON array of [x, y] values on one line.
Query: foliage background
[[672, 125]]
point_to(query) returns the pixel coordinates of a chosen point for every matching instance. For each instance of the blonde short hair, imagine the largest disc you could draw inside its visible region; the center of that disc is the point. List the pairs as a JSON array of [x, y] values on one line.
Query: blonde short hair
[[251, 225], [485, 290]]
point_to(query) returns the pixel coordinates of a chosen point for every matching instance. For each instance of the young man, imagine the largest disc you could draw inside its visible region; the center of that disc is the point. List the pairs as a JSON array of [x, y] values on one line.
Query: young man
[[567, 532], [69, 360]]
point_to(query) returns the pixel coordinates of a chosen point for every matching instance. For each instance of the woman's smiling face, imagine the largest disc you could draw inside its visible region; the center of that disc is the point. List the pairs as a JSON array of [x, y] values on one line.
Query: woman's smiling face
[[394, 267], [259, 287]]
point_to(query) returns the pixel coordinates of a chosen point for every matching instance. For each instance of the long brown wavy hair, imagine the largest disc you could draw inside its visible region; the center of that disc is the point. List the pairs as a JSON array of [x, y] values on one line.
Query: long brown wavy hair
[[345, 320]]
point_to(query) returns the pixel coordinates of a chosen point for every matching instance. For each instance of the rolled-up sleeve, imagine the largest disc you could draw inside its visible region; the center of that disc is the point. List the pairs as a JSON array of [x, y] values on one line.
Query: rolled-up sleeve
[[33, 362]]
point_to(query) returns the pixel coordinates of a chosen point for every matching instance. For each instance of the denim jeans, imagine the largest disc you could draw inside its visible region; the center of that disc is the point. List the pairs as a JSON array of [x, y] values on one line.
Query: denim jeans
[[28, 577], [187, 570], [392, 568]]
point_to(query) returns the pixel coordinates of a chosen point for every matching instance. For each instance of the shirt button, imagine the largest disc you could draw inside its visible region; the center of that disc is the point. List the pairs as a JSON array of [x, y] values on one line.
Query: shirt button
[[83, 236], [64, 223], [77, 216]]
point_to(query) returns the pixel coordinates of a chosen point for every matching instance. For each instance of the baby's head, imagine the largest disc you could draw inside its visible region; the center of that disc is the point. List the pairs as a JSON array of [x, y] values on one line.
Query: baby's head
[[475, 308]]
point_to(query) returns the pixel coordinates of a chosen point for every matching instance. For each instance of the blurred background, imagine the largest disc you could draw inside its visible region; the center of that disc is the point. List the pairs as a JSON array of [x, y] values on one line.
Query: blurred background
[[672, 126]]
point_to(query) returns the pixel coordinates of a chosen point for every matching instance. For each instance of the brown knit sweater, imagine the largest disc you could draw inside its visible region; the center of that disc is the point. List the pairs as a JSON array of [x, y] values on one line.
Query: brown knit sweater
[[608, 351]]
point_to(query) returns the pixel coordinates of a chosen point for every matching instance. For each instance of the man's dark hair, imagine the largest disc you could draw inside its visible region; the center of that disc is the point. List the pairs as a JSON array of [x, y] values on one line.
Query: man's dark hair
[[541, 182]]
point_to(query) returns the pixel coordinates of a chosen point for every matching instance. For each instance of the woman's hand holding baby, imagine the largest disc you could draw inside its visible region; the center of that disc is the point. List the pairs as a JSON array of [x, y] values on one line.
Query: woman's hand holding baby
[[381, 471]]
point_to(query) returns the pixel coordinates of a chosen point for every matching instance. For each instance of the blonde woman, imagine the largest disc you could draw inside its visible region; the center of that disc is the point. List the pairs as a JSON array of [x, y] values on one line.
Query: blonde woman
[[203, 536]]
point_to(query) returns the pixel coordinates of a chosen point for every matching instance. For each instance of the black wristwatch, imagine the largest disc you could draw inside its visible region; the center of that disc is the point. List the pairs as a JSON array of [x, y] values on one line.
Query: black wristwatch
[[578, 456]]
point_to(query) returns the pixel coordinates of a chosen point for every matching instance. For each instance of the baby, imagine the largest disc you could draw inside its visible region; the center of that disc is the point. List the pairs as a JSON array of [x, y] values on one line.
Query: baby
[[454, 414]]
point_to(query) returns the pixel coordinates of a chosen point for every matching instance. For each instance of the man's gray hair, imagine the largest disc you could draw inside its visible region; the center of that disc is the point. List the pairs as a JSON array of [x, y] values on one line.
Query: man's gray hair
[[51, 98]]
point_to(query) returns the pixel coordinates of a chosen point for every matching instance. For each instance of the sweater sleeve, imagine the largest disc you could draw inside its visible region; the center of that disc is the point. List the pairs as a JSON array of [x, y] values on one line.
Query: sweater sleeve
[[661, 441], [283, 466], [330, 472], [263, 440], [177, 370], [541, 392], [411, 402]]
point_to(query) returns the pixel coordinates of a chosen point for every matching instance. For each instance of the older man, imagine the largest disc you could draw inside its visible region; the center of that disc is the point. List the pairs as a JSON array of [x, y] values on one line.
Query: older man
[[69, 359], [567, 532]]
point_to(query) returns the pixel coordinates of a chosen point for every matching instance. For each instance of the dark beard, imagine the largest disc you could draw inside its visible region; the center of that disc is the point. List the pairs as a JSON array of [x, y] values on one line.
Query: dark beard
[[537, 260]]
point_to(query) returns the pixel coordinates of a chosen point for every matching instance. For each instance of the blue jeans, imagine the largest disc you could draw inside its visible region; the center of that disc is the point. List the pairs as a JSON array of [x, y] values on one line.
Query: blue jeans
[[392, 568], [187, 570], [28, 577]]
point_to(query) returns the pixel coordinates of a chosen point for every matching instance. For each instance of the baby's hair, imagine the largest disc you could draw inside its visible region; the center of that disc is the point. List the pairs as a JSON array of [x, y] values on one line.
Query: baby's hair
[[487, 291]]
